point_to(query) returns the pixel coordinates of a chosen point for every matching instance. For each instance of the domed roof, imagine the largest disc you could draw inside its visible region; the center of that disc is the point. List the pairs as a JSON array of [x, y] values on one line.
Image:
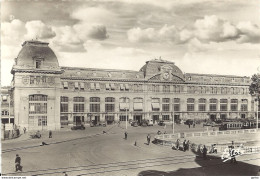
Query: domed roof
[[154, 67], [33, 50]]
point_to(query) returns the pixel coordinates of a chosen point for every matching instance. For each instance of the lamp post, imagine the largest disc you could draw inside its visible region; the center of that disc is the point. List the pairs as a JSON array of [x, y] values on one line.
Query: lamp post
[[173, 119], [257, 104], [126, 118]]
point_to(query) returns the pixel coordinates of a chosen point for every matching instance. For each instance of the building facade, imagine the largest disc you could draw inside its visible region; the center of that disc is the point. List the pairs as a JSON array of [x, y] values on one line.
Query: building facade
[[48, 96]]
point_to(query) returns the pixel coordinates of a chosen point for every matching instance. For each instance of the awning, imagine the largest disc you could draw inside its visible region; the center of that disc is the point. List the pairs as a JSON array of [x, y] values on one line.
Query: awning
[[122, 87], [107, 86], [156, 105], [65, 84], [124, 106], [112, 86], [76, 84], [82, 85], [138, 106], [126, 86], [97, 86], [92, 86]]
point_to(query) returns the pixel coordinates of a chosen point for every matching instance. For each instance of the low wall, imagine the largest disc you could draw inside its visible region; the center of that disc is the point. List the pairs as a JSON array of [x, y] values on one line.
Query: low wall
[[165, 139]]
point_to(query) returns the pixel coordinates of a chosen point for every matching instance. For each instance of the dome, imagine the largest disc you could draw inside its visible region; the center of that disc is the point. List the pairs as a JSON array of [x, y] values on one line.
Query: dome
[[33, 51], [154, 67]]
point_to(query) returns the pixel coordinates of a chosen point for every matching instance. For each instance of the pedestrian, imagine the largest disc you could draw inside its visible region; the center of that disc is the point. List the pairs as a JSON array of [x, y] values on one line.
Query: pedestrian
[[24, 130], [18, 163], [184, 146], [189, 125], [125, 135], [65, 174], [204, 152], [188, 145], [177, 144], [193, 124], [148, 139], [232, 154], [50, 134]]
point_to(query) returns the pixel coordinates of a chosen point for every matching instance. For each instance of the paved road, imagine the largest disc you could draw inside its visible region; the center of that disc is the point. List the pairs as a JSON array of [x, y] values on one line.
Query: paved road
[[91, 152]]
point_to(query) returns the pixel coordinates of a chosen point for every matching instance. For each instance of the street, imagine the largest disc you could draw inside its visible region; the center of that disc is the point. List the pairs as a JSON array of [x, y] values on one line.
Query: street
[[92, 152]]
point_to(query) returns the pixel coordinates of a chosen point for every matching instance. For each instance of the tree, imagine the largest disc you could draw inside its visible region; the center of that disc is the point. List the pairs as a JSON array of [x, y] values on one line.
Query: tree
[[254, 88]]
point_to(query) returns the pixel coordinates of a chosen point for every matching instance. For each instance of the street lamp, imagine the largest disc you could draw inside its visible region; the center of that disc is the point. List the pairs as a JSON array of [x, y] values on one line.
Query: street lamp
[[257, 104], [173, 119]]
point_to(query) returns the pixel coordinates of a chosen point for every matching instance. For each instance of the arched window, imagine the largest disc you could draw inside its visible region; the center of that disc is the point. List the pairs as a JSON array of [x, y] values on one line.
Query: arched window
[[190, 104], [202, 104]]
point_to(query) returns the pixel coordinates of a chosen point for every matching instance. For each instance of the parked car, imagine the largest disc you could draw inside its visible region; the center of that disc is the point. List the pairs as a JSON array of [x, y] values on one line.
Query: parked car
[[150, 122], [189, 121], [161, 123], [134, 124], [81, 127]]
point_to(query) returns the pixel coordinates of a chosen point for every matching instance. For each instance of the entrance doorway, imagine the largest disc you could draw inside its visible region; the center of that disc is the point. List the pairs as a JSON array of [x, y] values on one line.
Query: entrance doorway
[[213, 117], [138, 118], [96, 120], [155, 118], [78, 120]]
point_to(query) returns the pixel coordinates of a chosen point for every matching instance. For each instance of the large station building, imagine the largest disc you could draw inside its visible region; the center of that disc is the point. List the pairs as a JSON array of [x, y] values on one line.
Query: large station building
[[45, 96]]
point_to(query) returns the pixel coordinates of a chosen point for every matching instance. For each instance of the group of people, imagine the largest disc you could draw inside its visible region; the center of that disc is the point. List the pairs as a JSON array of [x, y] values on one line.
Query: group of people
[[185, 144]]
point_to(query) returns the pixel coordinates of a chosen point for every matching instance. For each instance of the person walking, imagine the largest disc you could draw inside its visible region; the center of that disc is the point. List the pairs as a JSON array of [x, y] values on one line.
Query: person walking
[[24, 130], [189, 125], [184, 146], [18, 163], [193, 124], [204, 152], [50, 134], [125, 135], [148, 139], [177, 144], [188, 145]]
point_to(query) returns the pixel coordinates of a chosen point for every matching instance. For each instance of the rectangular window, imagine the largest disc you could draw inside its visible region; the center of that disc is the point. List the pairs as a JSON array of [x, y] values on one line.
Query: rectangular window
[[223, 107], [44, 79], [109, 107], [78, 99], [122, 88], [202, 107], [165, 117], [65, 85], [166, 88], [176, 107], [190, 107], [166, 107], [112, 86], [31, 79], [213, 107], [82, 86], [243, 107], [233, 107], [92, 86], [78, 108], [64, 107], [94, 107], [126, 87], [107, 86], [38, 63], [97, 86], [76, 85]]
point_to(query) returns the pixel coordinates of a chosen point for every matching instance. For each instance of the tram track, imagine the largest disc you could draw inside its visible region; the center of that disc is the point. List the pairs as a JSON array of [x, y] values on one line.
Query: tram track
[[118, 167]]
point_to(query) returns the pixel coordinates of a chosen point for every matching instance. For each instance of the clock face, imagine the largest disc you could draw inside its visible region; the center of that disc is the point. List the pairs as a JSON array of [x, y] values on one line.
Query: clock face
[[166, 75]]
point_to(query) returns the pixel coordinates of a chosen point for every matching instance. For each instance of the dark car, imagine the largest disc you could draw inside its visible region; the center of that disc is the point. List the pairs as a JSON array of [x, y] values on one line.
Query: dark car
[[189, 121], [81, 127], [134, 124], [161, 123]]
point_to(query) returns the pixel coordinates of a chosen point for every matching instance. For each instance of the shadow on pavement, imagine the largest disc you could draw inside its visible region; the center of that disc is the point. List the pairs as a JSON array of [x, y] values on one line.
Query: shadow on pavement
[[212, 166]]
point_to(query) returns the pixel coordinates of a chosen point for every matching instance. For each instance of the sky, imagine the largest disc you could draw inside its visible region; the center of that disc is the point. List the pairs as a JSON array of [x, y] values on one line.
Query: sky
[[199, 36]]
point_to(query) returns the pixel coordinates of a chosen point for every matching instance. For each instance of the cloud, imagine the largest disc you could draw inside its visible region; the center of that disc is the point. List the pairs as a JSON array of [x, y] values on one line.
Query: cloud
[[38, 29], [96, 15], [12, 32], [87, 31], [67, 39], [165, 34], [211, 28], [249, 32]]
